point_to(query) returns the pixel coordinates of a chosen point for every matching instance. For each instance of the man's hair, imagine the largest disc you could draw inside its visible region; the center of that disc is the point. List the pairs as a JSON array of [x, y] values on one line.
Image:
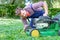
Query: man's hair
[[18, 10]]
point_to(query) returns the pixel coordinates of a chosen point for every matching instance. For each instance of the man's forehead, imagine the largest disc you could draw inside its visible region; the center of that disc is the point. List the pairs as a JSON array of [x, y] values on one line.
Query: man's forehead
[[23, 10]]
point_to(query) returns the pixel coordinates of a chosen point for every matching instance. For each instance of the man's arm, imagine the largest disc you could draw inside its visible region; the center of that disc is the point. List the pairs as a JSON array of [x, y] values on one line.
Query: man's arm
[[24, 20], [45, 6]]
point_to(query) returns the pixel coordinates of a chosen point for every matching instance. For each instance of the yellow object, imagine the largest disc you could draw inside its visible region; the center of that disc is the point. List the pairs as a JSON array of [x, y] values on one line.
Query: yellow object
[[35, 33]]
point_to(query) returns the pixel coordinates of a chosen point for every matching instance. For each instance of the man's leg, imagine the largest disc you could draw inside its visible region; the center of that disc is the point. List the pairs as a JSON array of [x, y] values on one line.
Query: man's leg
[[32, 22]]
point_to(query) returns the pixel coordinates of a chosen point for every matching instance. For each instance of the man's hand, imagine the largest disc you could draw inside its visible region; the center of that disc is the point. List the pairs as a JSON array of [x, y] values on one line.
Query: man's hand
[[25, 27], [45, 14]]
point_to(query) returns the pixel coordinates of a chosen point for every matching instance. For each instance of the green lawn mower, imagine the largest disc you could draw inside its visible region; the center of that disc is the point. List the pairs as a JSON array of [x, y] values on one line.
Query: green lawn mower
[[44, 26]]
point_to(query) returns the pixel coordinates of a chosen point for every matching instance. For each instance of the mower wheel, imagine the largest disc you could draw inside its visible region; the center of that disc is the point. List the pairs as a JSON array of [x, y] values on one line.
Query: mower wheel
[[35, 33]]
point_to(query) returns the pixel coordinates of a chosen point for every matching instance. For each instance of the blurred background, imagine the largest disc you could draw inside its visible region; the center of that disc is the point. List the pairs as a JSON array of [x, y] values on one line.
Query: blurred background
[[11, 27], [7, 7]]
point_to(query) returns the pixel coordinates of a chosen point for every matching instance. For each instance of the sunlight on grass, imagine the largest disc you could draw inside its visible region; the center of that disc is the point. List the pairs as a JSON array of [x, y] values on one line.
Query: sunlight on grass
[[9, 21]]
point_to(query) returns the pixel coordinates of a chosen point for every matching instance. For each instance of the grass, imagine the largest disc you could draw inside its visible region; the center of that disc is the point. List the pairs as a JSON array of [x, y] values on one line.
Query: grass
[[12, 29]]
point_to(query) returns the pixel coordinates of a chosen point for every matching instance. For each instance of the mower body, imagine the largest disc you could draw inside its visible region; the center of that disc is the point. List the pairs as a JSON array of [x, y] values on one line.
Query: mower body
[[45, 26]]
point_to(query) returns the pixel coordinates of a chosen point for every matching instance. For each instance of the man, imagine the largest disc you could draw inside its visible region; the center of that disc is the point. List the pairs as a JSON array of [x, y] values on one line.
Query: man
[[32, 11]]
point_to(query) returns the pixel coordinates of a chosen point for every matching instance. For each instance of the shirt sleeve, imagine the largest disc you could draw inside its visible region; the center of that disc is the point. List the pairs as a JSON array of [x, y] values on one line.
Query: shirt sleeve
[[38, 5], [24, 21]]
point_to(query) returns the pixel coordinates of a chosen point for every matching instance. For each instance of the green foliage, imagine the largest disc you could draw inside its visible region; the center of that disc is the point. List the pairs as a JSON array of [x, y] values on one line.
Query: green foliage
[[53, 11], [11, 10], [7, 10], [22, 5], [2, 10]]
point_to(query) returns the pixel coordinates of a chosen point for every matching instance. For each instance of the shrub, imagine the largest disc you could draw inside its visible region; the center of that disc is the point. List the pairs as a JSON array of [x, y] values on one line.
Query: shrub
[[53, 11]]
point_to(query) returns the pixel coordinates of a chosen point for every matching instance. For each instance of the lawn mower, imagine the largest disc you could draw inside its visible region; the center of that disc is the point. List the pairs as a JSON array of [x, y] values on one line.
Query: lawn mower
[[44, 26]]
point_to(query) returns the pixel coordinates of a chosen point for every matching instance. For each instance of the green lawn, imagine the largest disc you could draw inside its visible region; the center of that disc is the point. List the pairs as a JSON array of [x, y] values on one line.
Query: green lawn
[[12, 29]]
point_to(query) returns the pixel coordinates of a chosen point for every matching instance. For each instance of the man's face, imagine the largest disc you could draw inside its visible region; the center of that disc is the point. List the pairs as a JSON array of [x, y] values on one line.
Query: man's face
[[23, 14]]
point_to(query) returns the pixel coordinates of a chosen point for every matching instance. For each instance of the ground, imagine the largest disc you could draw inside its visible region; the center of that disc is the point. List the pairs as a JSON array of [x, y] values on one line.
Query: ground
[[12, 29]]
